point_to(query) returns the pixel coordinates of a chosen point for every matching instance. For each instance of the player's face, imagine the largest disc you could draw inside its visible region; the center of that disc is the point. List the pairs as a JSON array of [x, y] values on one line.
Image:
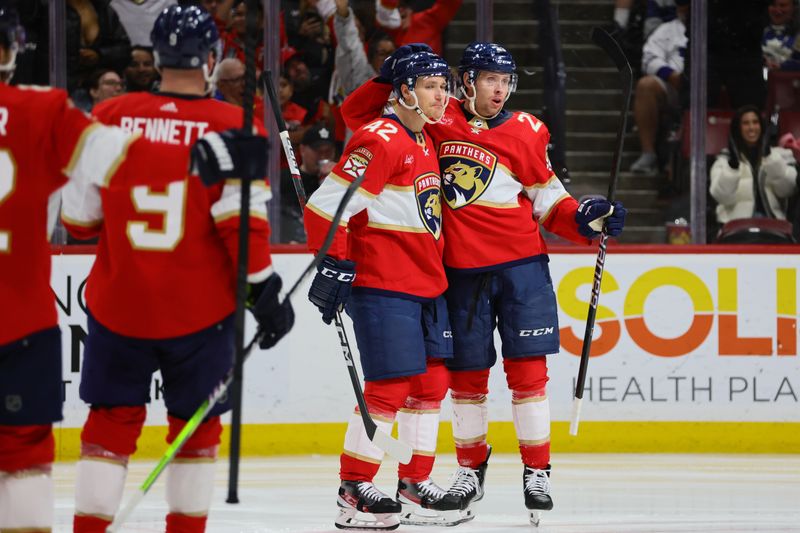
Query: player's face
[[432, 95], [751, 128], [491, 91]]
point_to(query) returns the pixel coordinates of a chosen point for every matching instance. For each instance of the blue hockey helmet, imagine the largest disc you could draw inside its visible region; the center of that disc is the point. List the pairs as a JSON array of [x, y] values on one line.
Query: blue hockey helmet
[[419, 64], [183, 36], [479, 56], [12, 36]]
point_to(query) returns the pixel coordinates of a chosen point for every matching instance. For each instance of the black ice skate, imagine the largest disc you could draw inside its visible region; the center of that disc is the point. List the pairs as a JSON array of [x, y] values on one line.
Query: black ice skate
[[427, 504], [536, 487], [363, 506], [468, 485]]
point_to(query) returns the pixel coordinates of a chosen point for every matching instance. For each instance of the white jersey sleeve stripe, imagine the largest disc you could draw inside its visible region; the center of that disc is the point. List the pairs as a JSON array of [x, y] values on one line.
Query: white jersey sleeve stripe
[[325, 200], [229, 202]]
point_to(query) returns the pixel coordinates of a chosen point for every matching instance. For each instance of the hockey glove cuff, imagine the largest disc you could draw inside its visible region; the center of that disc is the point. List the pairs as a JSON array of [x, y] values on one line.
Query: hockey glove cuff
[[229, 154], [275, 319], [330, 288]]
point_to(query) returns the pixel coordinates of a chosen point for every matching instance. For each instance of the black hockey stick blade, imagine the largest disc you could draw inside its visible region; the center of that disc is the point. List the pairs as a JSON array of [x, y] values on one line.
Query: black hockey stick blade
[[605, 41]]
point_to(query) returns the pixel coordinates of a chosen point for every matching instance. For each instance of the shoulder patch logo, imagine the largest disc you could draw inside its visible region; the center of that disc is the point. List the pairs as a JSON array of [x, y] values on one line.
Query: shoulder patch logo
[[427, 188], [467, 170], [357, 162]]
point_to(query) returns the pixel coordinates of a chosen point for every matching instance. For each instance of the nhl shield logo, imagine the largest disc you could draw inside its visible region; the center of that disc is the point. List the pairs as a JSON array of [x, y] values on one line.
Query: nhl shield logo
[[13, 403], [467, 170], [427, 187]]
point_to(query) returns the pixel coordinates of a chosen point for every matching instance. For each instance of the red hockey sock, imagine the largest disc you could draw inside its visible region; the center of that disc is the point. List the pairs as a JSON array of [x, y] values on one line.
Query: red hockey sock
[[89, 524], [181, 523]]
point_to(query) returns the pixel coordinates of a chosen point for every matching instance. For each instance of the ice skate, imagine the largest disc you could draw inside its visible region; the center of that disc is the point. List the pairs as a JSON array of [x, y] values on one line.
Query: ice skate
[[363, 506], [468, 485], [427, 504], [536, 487]]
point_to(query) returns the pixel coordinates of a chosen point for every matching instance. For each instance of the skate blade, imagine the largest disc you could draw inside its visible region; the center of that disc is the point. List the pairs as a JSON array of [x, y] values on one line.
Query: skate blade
[[413, 515], [535, 517], [350, 518]]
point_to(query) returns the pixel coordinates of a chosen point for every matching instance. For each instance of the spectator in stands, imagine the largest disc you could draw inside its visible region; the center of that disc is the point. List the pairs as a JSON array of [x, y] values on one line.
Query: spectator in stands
[[293, 114], [101, 84], [95, 39], [318, 155], [354, 65], [405, 26], [658, 89], [778, 40], [313, 42], [141, 74], [233, 45], [137, 17], [308, 92], [229, 77], [657, 13], [750, 179]]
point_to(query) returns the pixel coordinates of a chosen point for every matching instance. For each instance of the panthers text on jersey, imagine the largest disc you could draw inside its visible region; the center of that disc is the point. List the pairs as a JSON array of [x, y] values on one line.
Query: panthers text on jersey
[[394, 220]]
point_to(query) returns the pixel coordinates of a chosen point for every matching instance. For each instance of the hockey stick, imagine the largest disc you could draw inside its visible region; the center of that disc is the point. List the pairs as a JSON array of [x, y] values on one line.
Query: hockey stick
[[251, 28], [602, 39], [218, 392], [396, 449]]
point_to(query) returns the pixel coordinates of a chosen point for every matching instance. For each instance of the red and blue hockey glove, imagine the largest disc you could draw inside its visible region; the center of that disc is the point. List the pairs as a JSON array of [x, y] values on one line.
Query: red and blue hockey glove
[[593, 212], [217, 156], [386, 74], [275, 319], [331, 286]]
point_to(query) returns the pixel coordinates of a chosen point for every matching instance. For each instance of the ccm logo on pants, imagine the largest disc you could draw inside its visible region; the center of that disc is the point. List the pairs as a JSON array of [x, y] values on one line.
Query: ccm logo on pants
[[535, 332]]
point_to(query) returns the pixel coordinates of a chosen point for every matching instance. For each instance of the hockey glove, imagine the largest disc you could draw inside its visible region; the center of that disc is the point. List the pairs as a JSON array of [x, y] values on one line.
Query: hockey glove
[[217, 156], [275, 319], [386, 74], [331, 286], [593, 212]]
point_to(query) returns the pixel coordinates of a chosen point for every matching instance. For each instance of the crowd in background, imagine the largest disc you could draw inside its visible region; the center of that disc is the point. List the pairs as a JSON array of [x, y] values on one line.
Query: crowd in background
[[330, 47]]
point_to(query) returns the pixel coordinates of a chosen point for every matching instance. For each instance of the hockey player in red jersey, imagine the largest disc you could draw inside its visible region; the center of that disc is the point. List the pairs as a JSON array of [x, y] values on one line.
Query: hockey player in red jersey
[[389, 248], [495, 174], [161, 293]]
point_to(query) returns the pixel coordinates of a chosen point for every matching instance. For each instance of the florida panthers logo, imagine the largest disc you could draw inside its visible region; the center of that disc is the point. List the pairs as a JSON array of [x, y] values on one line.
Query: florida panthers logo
[[428, 190], [467, 170]]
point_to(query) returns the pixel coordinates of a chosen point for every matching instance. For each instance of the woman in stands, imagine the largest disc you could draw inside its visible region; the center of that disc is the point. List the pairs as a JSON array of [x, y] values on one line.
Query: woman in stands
[[750, 179]]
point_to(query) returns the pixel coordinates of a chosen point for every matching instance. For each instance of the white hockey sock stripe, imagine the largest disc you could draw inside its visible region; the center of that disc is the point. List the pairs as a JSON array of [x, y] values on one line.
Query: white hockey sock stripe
[[419, 428], [357, 443], [190, 485], [531, 418], [26, 500], [470, 418], [98, 487]]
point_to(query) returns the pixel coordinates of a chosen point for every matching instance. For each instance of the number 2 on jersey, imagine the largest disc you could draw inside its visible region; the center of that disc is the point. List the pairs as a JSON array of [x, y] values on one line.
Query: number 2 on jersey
[[171, 205], [8, 175]]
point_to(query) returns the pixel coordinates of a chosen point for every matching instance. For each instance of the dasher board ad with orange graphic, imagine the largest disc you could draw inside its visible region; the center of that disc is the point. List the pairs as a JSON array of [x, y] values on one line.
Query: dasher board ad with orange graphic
[[679, 338]]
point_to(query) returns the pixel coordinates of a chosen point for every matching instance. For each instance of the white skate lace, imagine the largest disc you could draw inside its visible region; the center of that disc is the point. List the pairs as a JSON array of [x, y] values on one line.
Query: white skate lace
[[536, 481], [431, 489], [370, 492], [465, 481]]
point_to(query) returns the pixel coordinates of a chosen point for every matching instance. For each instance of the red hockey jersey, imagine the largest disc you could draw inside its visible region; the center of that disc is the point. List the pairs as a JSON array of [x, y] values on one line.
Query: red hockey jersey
[[393, 221], [43, 137], [166, 258], [495, 174]]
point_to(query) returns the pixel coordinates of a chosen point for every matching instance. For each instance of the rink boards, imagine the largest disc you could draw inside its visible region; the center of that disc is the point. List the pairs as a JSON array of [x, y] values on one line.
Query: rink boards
[[693, 351]]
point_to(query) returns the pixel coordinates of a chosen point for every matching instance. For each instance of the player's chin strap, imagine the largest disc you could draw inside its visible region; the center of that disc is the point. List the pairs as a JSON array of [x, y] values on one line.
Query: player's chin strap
[[470, 102], [415, 107]]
